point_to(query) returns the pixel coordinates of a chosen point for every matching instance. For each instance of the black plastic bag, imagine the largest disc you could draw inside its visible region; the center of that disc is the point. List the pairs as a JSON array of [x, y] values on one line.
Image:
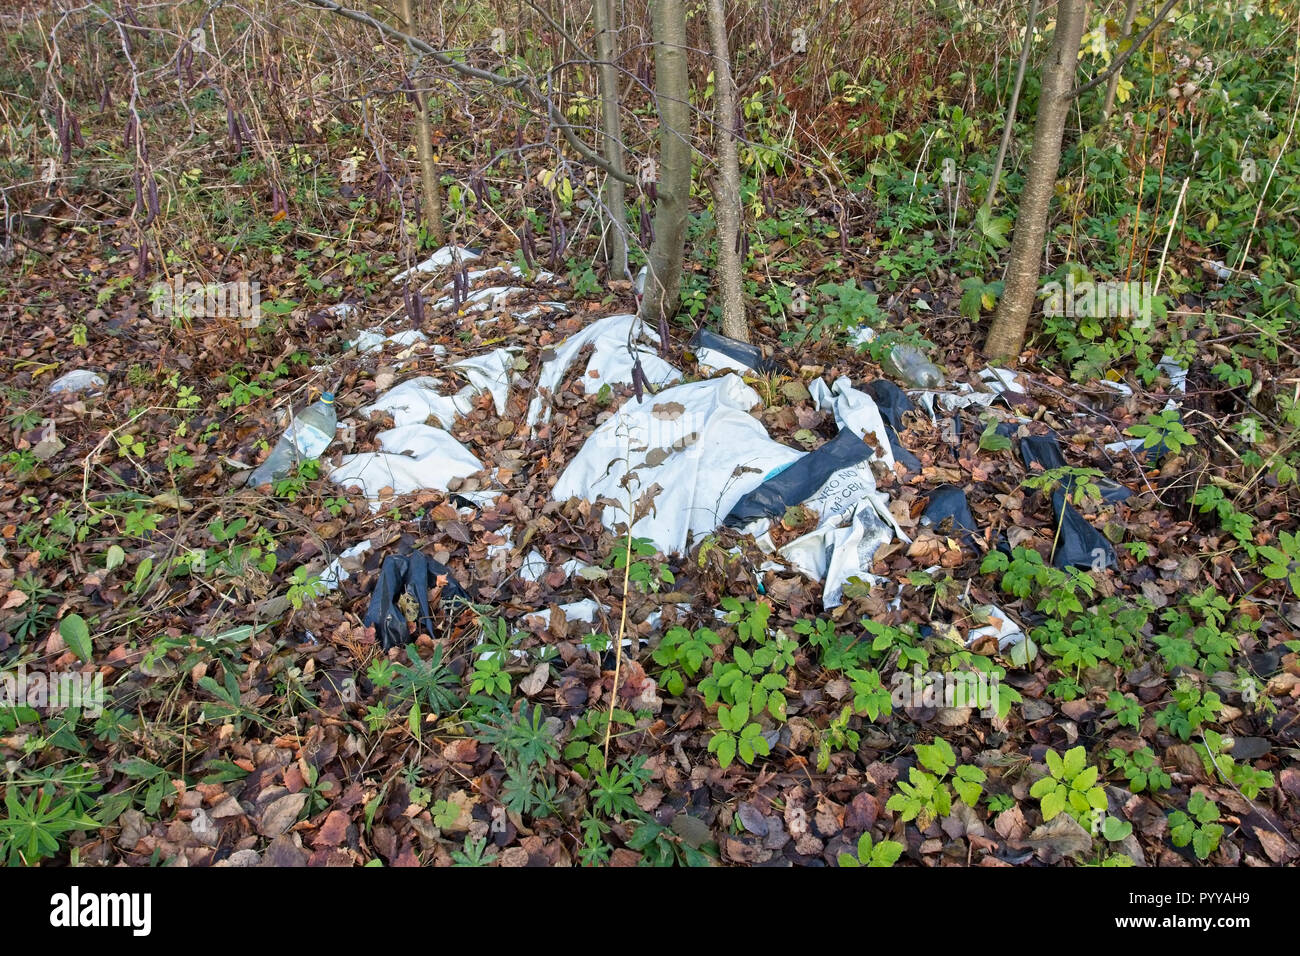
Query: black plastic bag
[[1043, 449], [1077, 543], [892, 403], [411, 574], [747, 355], [801, 480], [948, 503], [1046, 450]]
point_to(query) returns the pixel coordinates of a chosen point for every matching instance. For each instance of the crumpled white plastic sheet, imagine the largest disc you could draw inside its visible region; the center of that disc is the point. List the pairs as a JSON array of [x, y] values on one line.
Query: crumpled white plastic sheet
[[534, 566], [414, 401], [584, 611], [1000, 625], [704, 450], [854, 410], [698, 442], [611, 360], [417, 399], [414, 458], [963, 394], [480, 300], [337, 571], [491, 372], [855, 522], [374, 340], [441, 259], [834, 552], [77, 381], [542, 308]]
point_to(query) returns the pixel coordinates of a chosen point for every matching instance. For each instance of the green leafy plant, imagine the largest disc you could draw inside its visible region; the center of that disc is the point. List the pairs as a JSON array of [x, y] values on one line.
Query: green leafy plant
[[475, 852], [756, 680], [1283, 562], [304, 587], [1197, 825], [1163, 429], [925, 796], [884, 853], [33, 829], [647, 575], [1215, 755], [1070, 786], [1125, 707], [749, 617], [1141, 768], [836, 736], [1189, 709], [614, 789], [682, 653], [737, 734], [1025, 573]]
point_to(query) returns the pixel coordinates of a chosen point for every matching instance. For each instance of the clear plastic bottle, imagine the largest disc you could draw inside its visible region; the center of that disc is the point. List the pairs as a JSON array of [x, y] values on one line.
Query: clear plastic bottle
[[910, 364], [306, 439]]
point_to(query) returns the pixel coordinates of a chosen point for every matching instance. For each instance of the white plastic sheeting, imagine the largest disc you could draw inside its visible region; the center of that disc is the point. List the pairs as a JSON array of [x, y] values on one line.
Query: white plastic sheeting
[[855, 522], [441, 259], [339, 570], [1000, 625], [584, 611], [491, 372], [480, 300], [963, 395], [534, 566], [77, 381], [611, 360], [854, 410], [374, 340], [698, 442], [417, 399], [414, 458], [834, 551]]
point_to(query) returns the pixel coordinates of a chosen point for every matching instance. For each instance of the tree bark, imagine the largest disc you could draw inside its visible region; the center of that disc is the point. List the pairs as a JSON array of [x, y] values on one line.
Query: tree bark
[[612, 132], [673, 189], [430, 183], [1007, 130], [1007, 336], [726, 187]]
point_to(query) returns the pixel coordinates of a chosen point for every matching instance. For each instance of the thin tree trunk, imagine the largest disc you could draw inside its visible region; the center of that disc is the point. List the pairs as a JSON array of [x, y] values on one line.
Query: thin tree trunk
[[430, 184], [674, 186], [1011, 106], [1007, 335], [612, 131], [726, 187], [1130, 14]]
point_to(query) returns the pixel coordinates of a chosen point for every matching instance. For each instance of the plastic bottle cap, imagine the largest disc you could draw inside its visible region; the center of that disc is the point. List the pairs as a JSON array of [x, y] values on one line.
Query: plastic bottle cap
[[327, 398]]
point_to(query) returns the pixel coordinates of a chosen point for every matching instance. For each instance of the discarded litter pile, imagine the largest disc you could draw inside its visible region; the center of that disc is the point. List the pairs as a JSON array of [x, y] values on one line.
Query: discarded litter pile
[[705, 461], [688, 459]]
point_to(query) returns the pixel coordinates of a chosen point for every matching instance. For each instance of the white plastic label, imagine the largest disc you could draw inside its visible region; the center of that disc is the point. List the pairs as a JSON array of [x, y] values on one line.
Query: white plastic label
[[309, 440]]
